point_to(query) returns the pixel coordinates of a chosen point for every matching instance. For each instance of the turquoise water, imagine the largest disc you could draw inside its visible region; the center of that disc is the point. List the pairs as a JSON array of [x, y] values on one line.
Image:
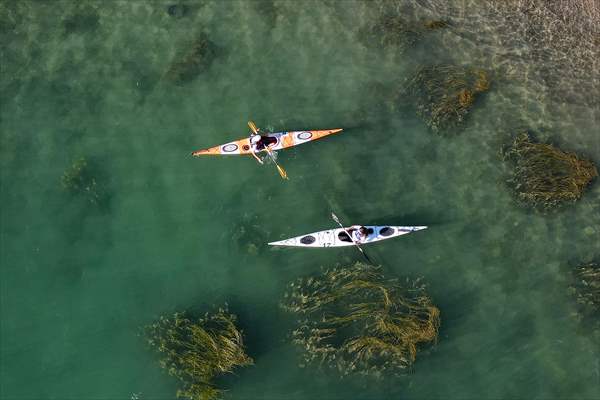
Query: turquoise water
[[176, 232]]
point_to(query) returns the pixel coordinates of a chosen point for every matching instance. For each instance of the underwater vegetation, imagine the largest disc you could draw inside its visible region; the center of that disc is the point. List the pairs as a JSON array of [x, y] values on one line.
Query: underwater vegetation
[[268, 11], [435, 24], [355, 320], [444, 94], [79, 179], [195, 61], [249, 235], [394, 30], [586, 290], [178, 10], [85, 19], [552, 43], [544, 176], [197, 352]]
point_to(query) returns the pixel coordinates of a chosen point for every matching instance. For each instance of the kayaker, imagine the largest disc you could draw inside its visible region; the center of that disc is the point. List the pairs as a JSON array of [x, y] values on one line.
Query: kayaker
[[360, 233], [256, 145], [259, 142]]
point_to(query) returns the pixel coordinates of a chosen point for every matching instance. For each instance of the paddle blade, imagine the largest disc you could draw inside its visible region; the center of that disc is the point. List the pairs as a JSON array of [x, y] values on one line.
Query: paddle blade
[[282, 172], [253, 127], [335, 218]]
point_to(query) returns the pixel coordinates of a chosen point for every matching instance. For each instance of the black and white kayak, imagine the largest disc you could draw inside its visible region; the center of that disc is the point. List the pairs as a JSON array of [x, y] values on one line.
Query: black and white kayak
[[339, 237]]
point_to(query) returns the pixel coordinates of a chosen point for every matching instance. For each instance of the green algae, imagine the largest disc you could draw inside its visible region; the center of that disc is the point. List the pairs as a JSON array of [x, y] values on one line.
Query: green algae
[[84, 19], [391, 30], [197, 58], [198, 351], [80, 179], [545, 176], [248, 234], [444, 94], [435, 24], [355, 320], [586, 291]]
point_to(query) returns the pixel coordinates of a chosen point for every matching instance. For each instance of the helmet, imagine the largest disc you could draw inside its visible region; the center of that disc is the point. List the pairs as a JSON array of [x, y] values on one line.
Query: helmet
[[254, 139]]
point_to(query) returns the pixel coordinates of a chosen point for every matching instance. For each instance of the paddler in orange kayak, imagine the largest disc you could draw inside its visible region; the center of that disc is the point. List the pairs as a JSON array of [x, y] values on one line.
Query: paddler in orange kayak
[[256, 144], [259, 142]]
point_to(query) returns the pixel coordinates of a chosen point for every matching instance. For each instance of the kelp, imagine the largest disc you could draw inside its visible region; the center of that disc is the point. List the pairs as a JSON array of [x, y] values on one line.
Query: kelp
[[586, 291], [444, 94], [79, 179], [395, 31], [196, 60], [355, 320], [197, 352], [544, 176]]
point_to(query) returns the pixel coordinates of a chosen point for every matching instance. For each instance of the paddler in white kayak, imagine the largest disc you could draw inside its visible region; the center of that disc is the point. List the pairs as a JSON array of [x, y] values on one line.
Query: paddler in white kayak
[[359, 232]]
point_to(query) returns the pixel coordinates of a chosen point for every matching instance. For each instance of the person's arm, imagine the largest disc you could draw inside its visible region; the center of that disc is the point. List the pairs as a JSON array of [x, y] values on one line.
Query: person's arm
[[255, 156]]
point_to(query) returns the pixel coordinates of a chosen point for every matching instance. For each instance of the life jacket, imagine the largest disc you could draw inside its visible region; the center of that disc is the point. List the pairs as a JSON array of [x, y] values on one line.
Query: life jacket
[[255, 140], [262, 141], [357, 235]]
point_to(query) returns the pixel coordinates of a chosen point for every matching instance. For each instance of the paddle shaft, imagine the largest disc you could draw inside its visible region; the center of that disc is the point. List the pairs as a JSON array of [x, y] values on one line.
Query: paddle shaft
[[335, 218], [280, 169]]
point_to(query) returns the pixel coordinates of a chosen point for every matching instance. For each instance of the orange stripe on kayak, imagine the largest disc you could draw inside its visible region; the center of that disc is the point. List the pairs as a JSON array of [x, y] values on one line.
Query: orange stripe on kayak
[[288, 140]]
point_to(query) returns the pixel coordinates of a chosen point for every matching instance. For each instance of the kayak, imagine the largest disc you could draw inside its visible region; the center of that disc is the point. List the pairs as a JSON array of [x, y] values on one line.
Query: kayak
[[277, 141], [339, 237]]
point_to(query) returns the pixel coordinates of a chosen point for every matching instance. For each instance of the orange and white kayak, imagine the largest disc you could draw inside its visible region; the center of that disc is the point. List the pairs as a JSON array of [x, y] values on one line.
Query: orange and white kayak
[[279, 140]]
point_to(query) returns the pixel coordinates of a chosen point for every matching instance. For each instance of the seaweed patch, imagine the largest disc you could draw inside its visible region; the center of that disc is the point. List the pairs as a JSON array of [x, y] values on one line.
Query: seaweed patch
[[586, 291], [545, 176], [444, 94], [196, 352], [194, 62], [395, 31], [81, 179], [355, 320]]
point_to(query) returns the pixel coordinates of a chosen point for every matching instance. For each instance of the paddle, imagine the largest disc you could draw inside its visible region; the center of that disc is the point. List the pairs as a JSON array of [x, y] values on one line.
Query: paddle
[[335, 218], [281, 171]]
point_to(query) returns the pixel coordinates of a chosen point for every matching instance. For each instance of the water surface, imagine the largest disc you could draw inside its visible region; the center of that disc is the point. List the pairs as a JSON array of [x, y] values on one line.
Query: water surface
[[177, 232]]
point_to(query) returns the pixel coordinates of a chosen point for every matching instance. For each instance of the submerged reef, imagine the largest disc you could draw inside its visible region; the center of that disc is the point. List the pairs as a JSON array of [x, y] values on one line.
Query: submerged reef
[[355, 320], [544, 176], [444, 94], [394, 30], [196, 60], [197, 352], [586, 290], [79, 179]]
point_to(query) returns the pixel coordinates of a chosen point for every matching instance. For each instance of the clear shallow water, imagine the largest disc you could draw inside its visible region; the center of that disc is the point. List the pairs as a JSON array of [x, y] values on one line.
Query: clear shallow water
[[78, 283]]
